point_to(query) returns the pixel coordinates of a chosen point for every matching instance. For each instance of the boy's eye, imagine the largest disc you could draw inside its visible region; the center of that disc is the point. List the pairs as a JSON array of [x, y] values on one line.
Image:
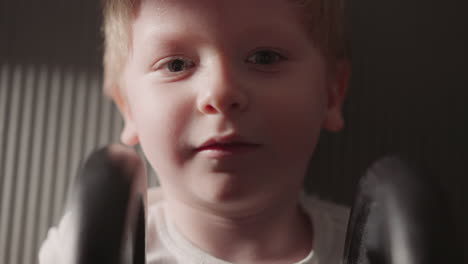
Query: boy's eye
[[179, 65], [265, 57]]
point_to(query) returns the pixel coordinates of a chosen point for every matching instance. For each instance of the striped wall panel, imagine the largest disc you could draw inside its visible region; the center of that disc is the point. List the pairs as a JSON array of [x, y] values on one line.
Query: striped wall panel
[[51, 118]]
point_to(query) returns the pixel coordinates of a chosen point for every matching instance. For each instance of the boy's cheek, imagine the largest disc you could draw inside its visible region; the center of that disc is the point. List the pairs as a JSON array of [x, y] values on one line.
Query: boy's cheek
[[160, 125]]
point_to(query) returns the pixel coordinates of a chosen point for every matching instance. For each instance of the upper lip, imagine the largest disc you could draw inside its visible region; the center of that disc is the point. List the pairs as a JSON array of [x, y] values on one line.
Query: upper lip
[[229, 139]]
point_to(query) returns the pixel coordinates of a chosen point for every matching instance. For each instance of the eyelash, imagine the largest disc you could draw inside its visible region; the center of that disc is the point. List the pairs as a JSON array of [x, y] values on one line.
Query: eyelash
[[276, 56], [167, 63]]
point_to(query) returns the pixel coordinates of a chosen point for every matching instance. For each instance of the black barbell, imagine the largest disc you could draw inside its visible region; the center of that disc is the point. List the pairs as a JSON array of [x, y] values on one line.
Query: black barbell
[[400, 215]]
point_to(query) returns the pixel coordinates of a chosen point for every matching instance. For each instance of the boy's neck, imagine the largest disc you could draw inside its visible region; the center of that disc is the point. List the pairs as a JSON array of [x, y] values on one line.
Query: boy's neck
[[280, 233]]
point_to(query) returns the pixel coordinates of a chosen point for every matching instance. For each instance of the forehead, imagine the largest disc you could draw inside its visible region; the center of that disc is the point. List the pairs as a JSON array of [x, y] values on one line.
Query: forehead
[[223, 18]]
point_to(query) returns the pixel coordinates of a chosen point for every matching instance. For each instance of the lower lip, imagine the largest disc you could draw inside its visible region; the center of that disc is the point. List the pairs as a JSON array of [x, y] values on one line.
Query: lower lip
[[226, 151]]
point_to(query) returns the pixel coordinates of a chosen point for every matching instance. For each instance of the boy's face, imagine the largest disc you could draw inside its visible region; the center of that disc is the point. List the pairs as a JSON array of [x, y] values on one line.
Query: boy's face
[[245, 72]]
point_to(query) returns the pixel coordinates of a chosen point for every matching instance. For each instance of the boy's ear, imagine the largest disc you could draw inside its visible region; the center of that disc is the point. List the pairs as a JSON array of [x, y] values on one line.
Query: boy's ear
[[129, 135], [336, 93]]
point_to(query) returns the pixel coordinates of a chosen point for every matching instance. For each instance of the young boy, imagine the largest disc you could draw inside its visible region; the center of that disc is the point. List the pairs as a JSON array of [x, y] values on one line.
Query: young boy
[[227, 100]]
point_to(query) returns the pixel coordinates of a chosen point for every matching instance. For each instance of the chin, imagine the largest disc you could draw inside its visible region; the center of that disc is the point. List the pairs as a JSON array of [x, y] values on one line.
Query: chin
[[222, 188], [233, 199]]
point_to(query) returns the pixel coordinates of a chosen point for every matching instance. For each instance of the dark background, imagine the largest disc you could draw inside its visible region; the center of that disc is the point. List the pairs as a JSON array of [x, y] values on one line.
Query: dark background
[[408, 94]]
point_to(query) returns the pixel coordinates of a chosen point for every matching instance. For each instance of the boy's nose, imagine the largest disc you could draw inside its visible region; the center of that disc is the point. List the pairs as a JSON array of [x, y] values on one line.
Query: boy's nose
[[221, 94]]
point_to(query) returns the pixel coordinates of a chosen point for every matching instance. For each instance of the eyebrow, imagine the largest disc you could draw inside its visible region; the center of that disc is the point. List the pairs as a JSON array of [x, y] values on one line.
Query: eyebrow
[[172, 38], [158, 42]]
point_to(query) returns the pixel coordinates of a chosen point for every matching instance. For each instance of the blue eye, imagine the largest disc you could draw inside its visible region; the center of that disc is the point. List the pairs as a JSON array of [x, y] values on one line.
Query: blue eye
[[265, 57], [179, 65]]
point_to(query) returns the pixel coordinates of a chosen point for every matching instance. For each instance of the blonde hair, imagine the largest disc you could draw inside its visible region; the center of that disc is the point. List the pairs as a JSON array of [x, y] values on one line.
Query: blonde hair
[[117, 17], [325, 19]]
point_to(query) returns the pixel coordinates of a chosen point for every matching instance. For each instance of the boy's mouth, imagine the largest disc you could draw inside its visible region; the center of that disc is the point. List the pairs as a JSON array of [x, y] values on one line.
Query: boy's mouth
[[222, 146]]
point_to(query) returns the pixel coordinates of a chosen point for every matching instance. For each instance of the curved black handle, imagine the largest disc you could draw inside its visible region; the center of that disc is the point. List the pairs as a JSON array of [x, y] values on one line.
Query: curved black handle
[[110, 194], [400, 216]]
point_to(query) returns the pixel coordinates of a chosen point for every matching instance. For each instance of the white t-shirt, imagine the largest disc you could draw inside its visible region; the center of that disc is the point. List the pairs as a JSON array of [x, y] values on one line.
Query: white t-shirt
[[165, 245]]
